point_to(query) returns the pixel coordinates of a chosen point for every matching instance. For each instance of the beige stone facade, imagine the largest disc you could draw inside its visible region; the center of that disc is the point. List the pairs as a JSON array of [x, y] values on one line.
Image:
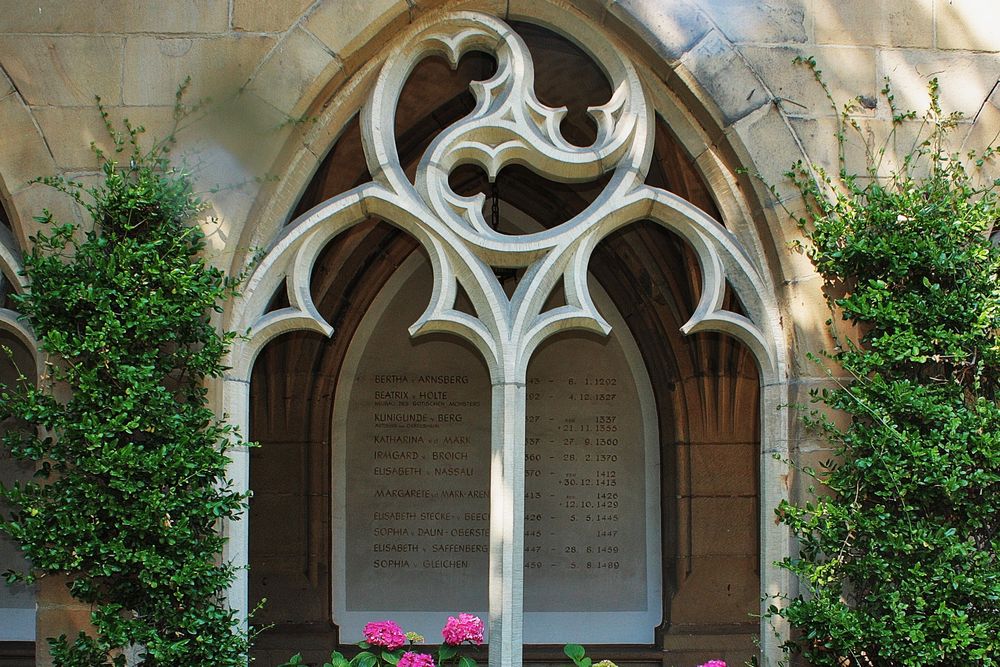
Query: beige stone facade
[[282, 82]]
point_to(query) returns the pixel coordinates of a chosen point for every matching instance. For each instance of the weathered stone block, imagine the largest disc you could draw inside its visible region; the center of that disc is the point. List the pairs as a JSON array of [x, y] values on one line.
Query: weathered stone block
[[76, 68], [720, 470], [819, 138], [767, 147], [724, 526], [967, 24], [295, 72], [800, 397], [805, 487], [58, 614], [795, 264], [352, 40], [217, 68], [983, 131], [719, 590], [965, 78], [848, 72], [810, 334], [114, 16], [30, 202], [775, 21], [23, 153], [885, 23], [267, 15], [666, 31], [70, 130], [6, 85], [728, 82]]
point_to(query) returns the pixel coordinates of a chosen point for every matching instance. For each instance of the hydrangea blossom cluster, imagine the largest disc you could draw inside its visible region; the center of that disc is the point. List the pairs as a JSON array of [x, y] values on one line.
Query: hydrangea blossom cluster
[[411, 659], [465, 628], [714, 663], [384, 633]]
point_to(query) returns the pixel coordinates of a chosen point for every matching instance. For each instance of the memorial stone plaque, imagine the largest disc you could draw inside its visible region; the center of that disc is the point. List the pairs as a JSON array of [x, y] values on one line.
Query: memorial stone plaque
[[411, 480]]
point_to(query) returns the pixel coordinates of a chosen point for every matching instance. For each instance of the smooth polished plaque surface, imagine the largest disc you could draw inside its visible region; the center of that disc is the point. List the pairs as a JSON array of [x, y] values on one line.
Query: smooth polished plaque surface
[[411, 480]]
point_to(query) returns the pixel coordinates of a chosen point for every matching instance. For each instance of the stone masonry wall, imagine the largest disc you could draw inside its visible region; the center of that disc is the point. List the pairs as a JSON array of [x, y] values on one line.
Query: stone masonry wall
[[267, 69]]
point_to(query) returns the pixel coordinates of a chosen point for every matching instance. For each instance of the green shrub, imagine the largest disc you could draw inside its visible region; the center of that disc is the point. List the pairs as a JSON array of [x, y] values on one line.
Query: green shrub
[[898, 560], [132, 461]]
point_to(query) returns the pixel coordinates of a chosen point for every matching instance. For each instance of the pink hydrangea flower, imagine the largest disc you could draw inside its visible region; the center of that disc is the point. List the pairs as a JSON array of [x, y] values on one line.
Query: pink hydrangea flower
[[714, 663], [411, 659], [384, 633], [465, 628]]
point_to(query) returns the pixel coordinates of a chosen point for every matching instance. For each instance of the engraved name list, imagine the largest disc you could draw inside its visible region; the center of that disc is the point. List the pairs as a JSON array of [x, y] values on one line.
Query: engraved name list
[[412, 462]]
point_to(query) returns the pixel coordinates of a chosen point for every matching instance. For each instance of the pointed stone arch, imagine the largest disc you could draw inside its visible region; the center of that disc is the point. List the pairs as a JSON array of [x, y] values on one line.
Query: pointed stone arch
[[736, 256], [17, 606]]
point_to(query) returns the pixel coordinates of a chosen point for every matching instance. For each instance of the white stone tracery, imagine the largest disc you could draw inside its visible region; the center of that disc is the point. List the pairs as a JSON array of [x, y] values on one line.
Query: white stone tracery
[[507, 126], [11, 272]]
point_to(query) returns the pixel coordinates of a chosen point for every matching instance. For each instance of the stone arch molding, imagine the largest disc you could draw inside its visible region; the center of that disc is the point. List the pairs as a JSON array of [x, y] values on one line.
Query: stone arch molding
[[507, 126], [11, 271]]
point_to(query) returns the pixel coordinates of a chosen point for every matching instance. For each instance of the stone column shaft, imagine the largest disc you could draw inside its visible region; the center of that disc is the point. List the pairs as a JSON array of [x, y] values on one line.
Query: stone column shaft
[[507, 524]]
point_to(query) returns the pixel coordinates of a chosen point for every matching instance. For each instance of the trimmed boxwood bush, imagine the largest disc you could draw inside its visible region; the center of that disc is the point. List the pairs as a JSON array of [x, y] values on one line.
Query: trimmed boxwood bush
[[898, 562], [131, 488]]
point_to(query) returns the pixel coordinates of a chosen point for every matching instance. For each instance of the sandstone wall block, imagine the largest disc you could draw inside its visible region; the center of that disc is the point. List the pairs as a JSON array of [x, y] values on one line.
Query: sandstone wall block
[[115, 16], [267, 15], [904, 23], [295, 72], [64, 70], [772, 22], [967, 24], [156, 66]]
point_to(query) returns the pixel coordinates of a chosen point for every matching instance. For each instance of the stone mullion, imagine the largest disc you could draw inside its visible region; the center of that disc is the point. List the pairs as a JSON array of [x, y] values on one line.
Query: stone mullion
[[236, 405], [509, 404]]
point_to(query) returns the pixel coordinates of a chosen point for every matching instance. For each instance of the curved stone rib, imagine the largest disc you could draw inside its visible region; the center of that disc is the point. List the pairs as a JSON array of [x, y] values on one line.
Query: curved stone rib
[[464, 326], [563, 318], [278, 264], [457, 35], [517, 129], [721, 258], [299, 286], [268, 327], [293, 255], [740, 328], [10, 260], [508, 126], [10, 320], [451, 261]]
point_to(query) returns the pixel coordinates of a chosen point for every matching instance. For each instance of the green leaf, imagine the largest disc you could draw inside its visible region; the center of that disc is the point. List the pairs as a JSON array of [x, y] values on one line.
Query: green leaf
[[364, 659], [574, 652]]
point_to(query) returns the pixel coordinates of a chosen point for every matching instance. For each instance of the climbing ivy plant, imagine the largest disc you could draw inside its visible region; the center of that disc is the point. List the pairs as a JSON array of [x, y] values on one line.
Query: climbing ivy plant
[[131, 488], [898, 562]]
